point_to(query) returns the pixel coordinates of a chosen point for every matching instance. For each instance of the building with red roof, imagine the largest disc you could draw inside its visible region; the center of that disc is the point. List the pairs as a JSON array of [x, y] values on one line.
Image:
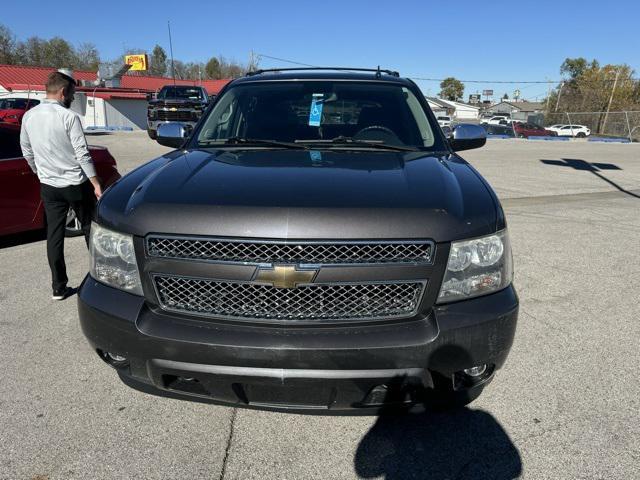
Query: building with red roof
[[98, 106]]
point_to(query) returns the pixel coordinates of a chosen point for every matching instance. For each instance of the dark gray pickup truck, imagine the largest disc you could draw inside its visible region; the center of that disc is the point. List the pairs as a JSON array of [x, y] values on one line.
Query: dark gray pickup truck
[[313, 244], [176, 103]]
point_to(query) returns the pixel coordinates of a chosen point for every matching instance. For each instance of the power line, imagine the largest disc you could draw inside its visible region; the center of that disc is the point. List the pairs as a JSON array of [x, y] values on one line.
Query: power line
[[262, 55]]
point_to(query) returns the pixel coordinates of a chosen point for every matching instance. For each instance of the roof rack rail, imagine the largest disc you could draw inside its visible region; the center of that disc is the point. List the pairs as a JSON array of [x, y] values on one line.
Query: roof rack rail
[[377, 71]]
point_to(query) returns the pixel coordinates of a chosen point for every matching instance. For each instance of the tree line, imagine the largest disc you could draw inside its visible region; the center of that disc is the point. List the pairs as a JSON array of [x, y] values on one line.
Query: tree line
[[56, 52], [591, 87]]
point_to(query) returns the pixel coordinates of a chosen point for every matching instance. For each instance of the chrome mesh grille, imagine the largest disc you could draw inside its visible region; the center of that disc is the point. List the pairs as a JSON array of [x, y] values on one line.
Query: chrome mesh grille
[[174, 115], [309, 302], [298, 253]]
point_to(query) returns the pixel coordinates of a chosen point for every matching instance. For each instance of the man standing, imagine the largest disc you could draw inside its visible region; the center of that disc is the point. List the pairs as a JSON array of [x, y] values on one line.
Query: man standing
[[53, 143]]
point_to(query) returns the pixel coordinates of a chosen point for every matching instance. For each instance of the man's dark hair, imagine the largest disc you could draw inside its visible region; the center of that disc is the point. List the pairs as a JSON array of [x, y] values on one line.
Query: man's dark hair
[[57, 80]]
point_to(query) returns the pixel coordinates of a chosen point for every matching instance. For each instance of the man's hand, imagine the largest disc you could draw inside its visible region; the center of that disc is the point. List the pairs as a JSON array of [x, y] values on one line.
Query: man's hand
[[97, 188]]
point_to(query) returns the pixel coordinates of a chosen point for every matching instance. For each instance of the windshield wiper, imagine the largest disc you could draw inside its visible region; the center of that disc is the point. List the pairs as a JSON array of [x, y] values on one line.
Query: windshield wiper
[[351, 142], [253, 142]]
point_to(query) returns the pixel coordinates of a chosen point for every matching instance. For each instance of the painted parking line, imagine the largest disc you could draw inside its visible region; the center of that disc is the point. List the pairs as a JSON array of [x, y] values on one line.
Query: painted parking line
[[609, 140], [552, 139]]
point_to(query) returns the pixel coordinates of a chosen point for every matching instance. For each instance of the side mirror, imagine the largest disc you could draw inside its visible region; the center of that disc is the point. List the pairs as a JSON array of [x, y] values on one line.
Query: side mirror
[[149, 97], [467, 136], [172, 134]]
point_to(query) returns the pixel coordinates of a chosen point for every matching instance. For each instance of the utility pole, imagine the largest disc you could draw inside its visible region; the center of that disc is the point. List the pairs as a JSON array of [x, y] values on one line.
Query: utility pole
[[173, 69], [559, 94], [613, 90], [253, 61]]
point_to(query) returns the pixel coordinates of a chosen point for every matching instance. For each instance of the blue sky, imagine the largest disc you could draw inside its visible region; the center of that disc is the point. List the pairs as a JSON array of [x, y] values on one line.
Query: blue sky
[[490, 40]]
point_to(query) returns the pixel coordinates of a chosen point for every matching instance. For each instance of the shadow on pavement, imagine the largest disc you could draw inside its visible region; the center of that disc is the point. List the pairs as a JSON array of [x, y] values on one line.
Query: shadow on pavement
[[22, 238], [594, 168], [463, 444]]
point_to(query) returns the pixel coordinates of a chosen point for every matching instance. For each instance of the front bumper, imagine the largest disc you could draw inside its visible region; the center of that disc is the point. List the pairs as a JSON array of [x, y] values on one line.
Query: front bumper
[[154, 124], [325, 368]]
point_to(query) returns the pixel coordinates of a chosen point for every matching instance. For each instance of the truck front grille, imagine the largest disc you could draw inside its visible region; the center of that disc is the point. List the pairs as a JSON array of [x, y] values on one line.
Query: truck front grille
[[291, 252], [178, 115], [308, 302]]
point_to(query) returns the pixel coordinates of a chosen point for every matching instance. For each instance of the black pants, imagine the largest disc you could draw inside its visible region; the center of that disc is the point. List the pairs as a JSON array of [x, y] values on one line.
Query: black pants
[[57, 202]]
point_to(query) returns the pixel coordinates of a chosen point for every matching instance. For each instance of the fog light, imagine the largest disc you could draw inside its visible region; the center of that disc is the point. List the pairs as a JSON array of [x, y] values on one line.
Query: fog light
[[476, 371], [118, 358], [113, 359]]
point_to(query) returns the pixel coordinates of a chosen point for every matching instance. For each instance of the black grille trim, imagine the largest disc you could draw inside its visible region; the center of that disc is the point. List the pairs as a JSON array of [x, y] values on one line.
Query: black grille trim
[[311, 302], [291, 252]]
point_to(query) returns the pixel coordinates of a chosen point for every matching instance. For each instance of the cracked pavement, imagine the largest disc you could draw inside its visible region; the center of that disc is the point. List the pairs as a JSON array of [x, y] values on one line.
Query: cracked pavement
[[566, 405]]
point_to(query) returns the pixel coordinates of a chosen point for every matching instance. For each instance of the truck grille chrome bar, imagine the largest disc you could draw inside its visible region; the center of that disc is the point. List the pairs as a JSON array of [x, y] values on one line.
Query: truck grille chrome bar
[[221, 299], [319, 253]]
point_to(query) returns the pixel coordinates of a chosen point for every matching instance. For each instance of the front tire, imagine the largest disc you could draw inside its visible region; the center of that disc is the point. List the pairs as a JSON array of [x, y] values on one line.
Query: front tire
[[580, 135]]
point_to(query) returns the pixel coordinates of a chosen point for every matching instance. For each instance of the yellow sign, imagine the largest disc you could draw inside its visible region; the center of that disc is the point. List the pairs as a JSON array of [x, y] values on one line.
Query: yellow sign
[[137, 62]]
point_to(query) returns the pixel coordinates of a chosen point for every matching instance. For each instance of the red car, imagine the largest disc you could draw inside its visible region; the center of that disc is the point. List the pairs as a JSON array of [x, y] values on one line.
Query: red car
[[526, 130], [21, 208], [13, 109]]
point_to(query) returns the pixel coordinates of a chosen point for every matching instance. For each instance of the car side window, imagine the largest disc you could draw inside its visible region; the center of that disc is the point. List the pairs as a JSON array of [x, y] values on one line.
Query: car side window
[[9, 144]]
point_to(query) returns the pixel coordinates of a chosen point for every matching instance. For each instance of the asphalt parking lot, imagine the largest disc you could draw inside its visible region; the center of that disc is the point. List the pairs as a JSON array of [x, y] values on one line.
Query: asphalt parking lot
[[566, 405]]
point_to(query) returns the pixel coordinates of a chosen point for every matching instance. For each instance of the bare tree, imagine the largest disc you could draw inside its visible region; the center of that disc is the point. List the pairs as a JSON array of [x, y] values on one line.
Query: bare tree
[[7, 45], [87, 57]]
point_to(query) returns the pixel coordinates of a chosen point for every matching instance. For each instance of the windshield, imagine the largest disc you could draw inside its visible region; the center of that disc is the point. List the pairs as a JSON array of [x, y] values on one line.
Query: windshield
[[185, 93], [308, 112]]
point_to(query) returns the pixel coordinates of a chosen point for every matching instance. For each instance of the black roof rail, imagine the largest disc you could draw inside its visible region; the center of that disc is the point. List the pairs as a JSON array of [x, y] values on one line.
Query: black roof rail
[[377, 71]]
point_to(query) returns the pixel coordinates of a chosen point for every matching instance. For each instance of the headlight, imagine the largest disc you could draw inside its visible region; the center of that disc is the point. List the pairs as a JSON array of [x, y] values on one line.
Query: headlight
[[477, 267], [113, 259]]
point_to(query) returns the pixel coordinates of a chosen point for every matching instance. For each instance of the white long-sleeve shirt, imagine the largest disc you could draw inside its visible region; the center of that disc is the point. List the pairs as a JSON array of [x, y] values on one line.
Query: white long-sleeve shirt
[[53, 143]]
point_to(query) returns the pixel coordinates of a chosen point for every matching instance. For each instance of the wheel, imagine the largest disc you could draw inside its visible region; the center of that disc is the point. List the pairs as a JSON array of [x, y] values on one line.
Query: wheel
[[153, 134], [72, 228], [580, 135], [520, 135]]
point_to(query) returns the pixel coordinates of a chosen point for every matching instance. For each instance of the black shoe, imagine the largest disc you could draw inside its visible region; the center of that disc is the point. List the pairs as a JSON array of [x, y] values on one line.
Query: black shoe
[[61, 293]]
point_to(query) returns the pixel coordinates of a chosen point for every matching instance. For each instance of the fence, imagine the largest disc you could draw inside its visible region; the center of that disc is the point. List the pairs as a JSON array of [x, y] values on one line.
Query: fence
[[612, 124]]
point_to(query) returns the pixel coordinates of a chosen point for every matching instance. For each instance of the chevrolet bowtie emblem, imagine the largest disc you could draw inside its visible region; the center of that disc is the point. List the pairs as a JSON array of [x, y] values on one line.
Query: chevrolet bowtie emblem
[[284, 276]]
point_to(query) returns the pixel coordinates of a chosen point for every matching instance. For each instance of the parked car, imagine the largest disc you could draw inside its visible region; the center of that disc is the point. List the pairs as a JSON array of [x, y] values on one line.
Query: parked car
[[578, 131], [556, 127], [13, 109], [444, 120], [277, 261], [526, 130], [21, 208], [176, 103], [499, 130], [495, 120]]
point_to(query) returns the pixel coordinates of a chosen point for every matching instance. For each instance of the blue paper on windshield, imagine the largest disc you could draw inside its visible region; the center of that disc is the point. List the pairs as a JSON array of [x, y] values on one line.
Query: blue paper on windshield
[[315, 113]]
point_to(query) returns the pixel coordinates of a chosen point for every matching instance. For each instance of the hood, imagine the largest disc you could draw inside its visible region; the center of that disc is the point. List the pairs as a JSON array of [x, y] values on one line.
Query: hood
[[299, 194]]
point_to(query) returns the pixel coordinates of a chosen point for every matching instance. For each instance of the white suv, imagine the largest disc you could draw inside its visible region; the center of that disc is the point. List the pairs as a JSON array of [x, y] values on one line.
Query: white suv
[[496, 120], [579, 131]]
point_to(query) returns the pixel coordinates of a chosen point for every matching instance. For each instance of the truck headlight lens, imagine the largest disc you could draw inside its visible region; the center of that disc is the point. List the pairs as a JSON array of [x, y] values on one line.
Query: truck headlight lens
[[113, 259], [477, 267]]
